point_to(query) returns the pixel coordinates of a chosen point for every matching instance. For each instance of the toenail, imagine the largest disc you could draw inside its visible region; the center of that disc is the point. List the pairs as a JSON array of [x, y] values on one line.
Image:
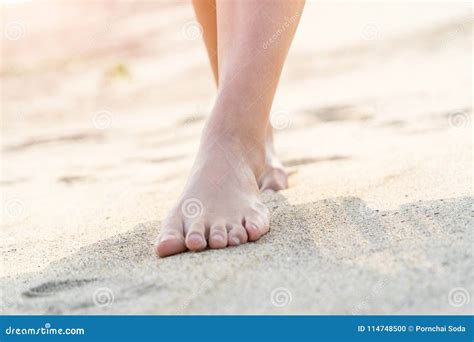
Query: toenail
[[254, 228], [167, 238], [195, 238], [236, 240], [218, 237]]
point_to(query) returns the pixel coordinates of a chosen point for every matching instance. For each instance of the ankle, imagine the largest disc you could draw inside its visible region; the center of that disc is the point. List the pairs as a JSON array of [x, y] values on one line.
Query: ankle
[[237, 141]]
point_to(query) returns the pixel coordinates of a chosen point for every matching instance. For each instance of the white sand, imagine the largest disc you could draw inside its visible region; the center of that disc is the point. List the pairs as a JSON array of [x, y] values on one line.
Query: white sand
[[378, 139]]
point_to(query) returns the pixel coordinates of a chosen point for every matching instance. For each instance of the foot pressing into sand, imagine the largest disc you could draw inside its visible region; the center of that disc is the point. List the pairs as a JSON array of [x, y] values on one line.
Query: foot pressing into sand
[[220, 205]]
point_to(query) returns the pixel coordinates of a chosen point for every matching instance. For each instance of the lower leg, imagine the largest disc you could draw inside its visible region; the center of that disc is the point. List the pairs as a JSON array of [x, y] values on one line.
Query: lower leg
[[253, 40], [274, 176], [251, 56], [206, 15]]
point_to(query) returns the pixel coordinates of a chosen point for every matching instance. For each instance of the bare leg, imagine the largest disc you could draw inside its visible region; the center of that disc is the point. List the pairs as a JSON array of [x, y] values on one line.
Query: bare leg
[[253, 40], [206, 15], [274, 177]]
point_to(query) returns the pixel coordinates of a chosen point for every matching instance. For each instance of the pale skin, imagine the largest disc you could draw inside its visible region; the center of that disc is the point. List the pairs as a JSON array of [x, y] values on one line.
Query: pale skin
[[247, 42]]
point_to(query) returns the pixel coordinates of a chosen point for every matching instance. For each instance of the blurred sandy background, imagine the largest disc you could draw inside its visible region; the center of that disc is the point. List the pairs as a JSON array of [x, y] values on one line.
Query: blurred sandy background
[[102, 106]]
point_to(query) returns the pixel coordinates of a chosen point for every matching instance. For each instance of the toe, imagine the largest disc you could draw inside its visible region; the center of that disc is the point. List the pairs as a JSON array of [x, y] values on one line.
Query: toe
[[218, 236], [237, 235], [253, 228], [171, 239], [195, 238], [256, 224]]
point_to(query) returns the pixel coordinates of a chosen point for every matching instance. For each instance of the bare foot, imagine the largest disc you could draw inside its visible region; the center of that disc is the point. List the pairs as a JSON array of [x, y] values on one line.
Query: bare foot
[[220, 205], [274, 176]]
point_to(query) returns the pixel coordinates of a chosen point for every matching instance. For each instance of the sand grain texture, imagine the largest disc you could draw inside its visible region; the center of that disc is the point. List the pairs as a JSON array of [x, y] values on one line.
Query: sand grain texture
[[101, 123]]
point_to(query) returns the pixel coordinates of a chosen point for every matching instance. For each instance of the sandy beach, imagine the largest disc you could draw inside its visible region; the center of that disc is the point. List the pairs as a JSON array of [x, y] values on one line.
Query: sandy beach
[[101, 118]]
